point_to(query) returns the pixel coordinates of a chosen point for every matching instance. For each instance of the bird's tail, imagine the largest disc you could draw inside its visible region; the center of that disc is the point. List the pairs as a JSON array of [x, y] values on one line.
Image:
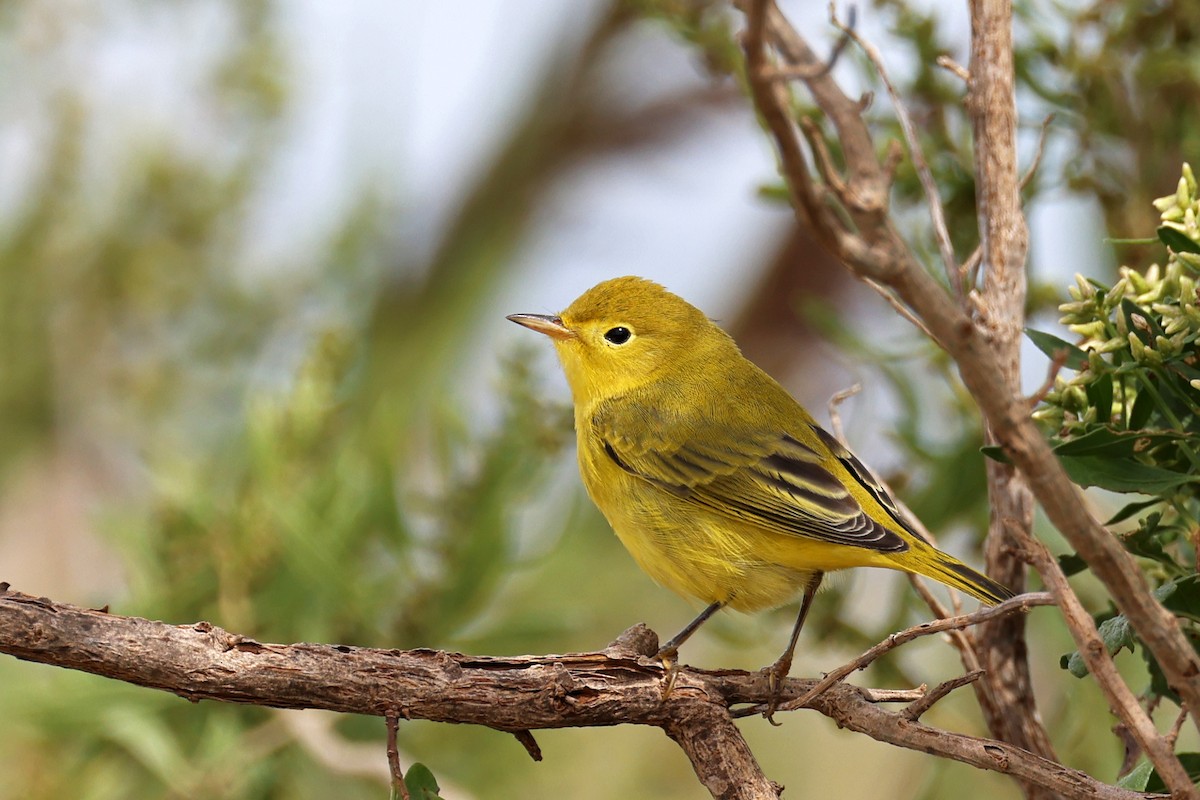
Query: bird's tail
[[933, 563]]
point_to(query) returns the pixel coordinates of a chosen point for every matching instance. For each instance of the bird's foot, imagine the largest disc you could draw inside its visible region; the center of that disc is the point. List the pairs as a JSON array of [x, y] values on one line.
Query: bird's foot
[[776, 676], [668, 656]]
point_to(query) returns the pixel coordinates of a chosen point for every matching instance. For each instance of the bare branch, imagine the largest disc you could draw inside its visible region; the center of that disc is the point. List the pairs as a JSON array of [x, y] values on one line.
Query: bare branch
[[1056, 365], [823, 159], [835, 414], [851, 710], [529, 743], [1037, 154], [899, 307], [399, 787], [950, 65], [1159, 749], [202, 661], [1020, 603], [621, 685], [793, 72], [1004, 239], [892, 695], [970, 269], [932, 196], [1177, 726], [919, 707]]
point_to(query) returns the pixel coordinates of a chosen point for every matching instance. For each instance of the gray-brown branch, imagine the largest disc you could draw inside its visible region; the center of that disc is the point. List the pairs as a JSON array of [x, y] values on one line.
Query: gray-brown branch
[[1004, 241], [621, 685]]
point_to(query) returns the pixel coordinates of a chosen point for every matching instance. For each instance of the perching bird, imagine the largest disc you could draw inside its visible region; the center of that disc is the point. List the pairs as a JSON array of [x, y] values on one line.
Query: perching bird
[[720, 485]]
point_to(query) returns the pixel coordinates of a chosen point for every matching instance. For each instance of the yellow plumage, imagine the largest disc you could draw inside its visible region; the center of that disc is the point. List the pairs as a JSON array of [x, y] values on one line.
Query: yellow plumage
[[720, 485]]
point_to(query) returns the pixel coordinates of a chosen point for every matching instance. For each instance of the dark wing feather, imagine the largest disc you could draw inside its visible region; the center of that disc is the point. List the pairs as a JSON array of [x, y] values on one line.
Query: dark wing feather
[[867, 480], [767, 478]]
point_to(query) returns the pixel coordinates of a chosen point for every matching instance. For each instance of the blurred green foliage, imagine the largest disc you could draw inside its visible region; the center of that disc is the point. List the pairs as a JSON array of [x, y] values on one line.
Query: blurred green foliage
[[270, 502]]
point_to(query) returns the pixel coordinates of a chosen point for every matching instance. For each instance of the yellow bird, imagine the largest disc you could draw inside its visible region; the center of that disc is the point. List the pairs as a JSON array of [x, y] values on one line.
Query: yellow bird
[[721, 486]]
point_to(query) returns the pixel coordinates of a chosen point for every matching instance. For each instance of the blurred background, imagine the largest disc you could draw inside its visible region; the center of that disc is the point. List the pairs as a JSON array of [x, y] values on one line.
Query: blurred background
[[255, 259]]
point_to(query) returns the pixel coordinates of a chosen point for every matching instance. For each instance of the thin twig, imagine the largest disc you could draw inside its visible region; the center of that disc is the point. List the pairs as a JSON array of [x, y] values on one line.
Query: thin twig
[[823, 158], [1011, 606], [849, 708], [892, 695], [529, 743], [1056, 365], [924, 174], [807, 73], [970, 269], [1121, 699], [899, 306], [961, 639], [1037, 154], [950, 65], [1177, 726], [774, 100], [399, 787], [835, 414], [918, 707]]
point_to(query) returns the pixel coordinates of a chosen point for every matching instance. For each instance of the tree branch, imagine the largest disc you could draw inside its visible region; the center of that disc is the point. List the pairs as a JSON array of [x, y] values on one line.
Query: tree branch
[[874, 250], [1019, 603], [623, 684], [1011, 707]]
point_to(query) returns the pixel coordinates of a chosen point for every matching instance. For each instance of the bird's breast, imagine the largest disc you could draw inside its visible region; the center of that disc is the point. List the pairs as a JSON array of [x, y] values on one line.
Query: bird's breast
[[688, 549]]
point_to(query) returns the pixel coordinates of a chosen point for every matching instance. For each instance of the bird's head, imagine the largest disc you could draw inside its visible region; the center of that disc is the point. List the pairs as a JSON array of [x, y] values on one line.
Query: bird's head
[[623, 333]]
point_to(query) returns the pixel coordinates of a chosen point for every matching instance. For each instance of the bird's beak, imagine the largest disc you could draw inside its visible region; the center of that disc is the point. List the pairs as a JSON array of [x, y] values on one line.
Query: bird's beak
[[551, 326]]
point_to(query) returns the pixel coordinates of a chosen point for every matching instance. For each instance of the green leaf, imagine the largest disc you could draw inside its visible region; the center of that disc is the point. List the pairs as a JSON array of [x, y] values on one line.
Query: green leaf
[[1185, 369], [1137, 778], [1145, 333], [1190, 761], [996, 453], [1131, 509], [1175, 386], [421, 784], [1116, 633], [1071, 564], [1145, 543], [1106, 441], [1051, 345], [1181, 596], [1100, 396], [1143, 407], [1146, 240], [1177, 240], [775, 192], [1122, 474], [1159, 687]]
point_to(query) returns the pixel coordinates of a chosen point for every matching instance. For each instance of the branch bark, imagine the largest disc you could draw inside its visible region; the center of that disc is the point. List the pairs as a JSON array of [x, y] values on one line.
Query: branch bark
[[1004, 242], [621, 685]]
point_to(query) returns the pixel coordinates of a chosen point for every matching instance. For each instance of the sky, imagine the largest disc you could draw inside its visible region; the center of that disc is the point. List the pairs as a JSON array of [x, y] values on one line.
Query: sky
[[422, 118]]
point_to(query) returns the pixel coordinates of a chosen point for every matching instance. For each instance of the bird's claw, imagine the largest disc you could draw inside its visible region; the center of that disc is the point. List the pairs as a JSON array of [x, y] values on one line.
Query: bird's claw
[[776, 675], [667, 656]]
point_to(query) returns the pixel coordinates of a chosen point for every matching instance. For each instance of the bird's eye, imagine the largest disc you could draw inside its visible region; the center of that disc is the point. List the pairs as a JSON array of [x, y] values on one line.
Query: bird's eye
[[618, 335]]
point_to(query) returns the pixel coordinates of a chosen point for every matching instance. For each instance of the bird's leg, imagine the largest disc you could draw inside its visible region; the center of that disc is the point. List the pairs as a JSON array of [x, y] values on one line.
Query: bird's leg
[[669, 650], [780, 669], [666, 654]]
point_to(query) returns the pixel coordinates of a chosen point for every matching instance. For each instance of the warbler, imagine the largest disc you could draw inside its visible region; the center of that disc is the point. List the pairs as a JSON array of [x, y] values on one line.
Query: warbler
[[721, 486]]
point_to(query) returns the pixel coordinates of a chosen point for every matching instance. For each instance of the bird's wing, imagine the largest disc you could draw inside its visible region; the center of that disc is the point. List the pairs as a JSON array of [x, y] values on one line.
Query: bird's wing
[[765, 477]]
